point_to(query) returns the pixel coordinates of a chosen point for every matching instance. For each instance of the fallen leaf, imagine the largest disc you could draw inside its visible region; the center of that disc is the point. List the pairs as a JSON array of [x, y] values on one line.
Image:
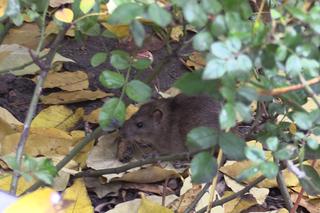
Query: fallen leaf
[[53, 28], [93, 117], [14, 55], [64, 15], [58, 116], [60, 182], [176, 33], [27, 35], [130, 110], [312, 205], [260, 194], [196, 61], [3, 7], [58, 3], [78, 193], [73, 97], [23, 184], [82, 156], [41, 200], [150, 174], [69, 81], [169, 93], [8, 123], [239, 204], [147, 206], [8, 117], [102, 189], [133, 205]]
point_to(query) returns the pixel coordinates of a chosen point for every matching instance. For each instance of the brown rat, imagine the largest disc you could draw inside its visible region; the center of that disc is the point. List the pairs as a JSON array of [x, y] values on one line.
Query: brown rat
[[164, 123]]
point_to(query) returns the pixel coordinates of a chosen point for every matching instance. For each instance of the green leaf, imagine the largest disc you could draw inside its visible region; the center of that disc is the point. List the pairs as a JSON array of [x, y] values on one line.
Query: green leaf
[[111, 80], [243, 111], [11, 161], [138, 91], [281, 53], [202, 137], [312, 143], [125, 13], [220, 50], [269, 169], [311, 182], [86, 5], [272, 143], [293, 65], [98, 59], [218, 26], [255, 154], [141, 63], [286, 153], [202, 41], [203, 167], [194, 14], [120, 59], [227, 117], [112, 113], [159, 15], [214, 69], [211, 6], [138, 32], [232, 146], [244, 63], [248, 173], [233, 44], [303, 120], [248, 93]]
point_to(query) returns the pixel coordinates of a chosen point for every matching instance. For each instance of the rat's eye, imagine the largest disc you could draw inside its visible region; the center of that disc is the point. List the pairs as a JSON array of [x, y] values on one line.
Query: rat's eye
[[139, 124]]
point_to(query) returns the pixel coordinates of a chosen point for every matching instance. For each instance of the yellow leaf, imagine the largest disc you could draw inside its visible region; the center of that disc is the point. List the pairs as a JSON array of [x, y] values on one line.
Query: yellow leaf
[[40, 201], [3, 7], [78, 193], [82, 156], [93, 117], [239, 204], [120, 31], [147, 206], [196, 61], [8, 123], [176, 33], [23, 184], [131, 109], [293, 128], [64, 15], [69, 81], [41, 141], [86, 5], [59, 117], [73, 97], [52, 28]]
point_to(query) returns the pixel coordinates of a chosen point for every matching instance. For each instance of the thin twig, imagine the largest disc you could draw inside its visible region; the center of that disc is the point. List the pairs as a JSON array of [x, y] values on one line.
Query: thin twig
[[95, 134], [197, 198], [33, 106], [283, 189], [309, 90]]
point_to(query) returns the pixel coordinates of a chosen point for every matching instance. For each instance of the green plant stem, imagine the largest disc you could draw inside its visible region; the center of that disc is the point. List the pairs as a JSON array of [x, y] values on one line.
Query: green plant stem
[[95, 134], [42, 29], [309, 90], [283, 189], [45, 67], [117, 170]]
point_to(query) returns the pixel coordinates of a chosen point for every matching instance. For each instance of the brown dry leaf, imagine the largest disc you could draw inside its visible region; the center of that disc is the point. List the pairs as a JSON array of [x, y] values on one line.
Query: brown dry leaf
[[147, 206], [69, 81], [239, 204], [102, 189], [9, 118], [149, 188], [58, 116], [26, 35], [14, 55], [171, 92], [234, 169], [82, 156], [176, 33], [312, 205], [58, 3], [196, 61], [78, 193], [41, 141], [73, 97], [8, 123], [93, 117], [130, 110], [150, 174]]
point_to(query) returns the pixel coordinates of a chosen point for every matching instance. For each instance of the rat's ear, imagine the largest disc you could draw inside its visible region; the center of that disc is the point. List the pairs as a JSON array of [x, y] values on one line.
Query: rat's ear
[[157, 115]]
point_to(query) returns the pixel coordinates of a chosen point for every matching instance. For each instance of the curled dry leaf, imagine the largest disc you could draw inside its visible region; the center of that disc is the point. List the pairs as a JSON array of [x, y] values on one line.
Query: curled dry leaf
[[73, 97], [176, 33]]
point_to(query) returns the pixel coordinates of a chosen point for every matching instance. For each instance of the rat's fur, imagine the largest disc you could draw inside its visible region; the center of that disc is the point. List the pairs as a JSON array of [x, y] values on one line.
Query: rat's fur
[[165, 123]]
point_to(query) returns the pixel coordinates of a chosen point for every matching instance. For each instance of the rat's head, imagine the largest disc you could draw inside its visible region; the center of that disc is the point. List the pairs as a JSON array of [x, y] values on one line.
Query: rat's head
[[145, 125]]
